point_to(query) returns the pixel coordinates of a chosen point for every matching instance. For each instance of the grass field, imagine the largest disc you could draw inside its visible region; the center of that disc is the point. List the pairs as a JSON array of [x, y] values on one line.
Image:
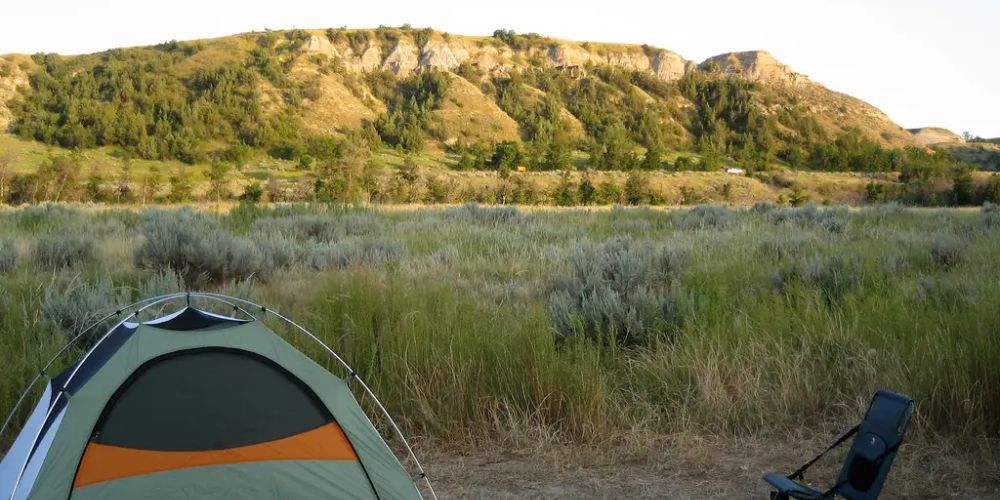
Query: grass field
[[489, 324]]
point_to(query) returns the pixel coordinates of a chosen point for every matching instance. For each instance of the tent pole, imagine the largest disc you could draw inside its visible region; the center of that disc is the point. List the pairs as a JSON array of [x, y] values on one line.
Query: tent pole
[[351, 373], [63, 390], [61, 351]]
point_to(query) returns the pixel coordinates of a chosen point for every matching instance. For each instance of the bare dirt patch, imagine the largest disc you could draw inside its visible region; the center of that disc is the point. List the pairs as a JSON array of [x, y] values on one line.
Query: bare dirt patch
[[693, 468]]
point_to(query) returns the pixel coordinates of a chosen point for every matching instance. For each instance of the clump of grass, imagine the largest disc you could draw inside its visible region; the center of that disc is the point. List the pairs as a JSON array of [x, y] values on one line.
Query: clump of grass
[[63, 250], [621, 291], [69, 307], [8, 255], [893, 265], [783, 246], [486, 216], [707, 216], [763, 208], [989, 216], [834, 276], [947, 250], [947, 294]]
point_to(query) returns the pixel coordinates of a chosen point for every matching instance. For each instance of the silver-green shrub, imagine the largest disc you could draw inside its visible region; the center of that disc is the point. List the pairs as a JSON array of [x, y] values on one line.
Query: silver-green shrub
[[621, 291], [59, 250]]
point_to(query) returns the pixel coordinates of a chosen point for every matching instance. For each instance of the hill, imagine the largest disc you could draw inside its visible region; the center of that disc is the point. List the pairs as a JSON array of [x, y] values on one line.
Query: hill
[[186, 100], [339, 111]]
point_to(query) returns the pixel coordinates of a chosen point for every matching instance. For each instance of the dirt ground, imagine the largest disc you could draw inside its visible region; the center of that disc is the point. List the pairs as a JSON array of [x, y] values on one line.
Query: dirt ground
[[687, 468]]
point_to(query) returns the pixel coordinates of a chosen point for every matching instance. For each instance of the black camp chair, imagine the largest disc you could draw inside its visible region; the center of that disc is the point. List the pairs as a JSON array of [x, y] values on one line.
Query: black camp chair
[[867, 465]]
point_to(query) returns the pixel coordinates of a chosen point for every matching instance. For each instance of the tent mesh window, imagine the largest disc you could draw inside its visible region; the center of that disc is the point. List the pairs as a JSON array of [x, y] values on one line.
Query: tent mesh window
[[208, 399]]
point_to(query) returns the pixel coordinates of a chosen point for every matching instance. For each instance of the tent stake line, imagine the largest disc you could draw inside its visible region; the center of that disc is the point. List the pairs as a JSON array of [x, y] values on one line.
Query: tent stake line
[[147, 303]]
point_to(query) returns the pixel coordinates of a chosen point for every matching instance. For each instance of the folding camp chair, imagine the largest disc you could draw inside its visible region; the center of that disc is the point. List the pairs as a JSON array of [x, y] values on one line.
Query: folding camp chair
[[869, 459]]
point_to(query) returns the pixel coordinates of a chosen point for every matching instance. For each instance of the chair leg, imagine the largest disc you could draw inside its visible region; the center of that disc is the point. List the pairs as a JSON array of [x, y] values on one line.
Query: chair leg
[[777, 495]]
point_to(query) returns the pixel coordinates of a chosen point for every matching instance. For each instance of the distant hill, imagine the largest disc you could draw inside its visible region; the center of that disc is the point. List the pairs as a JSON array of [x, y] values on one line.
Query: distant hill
[[287, 92]]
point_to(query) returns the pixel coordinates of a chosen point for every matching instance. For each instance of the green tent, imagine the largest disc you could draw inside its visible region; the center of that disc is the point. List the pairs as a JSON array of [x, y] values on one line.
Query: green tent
[[199, 405]]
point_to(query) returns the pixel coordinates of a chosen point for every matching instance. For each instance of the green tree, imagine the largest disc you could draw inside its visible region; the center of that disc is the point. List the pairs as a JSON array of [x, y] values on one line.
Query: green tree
[[586, 192], [151, 184], [252, 193], [652, 160], [565, 192], [218, 180], [637, 190], [180, 187], [340, 178]]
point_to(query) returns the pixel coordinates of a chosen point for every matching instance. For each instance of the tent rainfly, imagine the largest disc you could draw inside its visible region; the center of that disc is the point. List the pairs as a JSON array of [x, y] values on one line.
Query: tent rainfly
[[197, 405]]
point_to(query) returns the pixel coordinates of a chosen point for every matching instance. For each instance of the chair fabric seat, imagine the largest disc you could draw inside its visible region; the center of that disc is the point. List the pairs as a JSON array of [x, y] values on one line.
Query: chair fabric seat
[[791, 488]]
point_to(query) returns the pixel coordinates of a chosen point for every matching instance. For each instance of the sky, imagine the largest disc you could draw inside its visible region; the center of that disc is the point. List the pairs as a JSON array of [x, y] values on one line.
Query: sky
[[923, 62]]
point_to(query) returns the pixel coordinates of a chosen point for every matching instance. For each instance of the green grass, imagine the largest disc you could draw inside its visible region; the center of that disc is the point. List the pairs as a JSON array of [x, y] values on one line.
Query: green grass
[[789, 321]]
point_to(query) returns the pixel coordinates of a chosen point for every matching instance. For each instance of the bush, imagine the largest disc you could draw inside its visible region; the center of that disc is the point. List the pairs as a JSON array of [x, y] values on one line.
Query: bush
[[196, 247], [8, 255], [947, 250], [353, 252], [620, 291], [707, 216], [833, 220], [486, 216], [58, 251], [322, 228]]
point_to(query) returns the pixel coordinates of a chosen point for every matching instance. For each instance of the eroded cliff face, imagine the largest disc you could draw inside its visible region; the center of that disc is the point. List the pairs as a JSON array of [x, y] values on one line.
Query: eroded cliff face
[[448, 53], [757, 65], [12, 77]]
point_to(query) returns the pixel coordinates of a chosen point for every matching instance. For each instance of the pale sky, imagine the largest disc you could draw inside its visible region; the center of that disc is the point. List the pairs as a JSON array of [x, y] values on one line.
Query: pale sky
[[924, 62]]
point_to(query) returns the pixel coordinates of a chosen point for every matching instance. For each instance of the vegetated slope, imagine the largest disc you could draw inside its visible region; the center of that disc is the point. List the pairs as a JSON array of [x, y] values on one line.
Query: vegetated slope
[[196, 101]]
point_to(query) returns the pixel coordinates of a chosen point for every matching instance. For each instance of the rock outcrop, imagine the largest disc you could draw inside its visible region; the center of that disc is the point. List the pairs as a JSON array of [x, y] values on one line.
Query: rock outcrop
[[12, 77], [757, 65], [929, 136], [670, 66], [403, 58]]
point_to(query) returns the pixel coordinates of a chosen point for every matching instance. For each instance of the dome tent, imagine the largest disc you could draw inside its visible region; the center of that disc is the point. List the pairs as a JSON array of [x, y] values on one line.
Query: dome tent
[[200, 405]]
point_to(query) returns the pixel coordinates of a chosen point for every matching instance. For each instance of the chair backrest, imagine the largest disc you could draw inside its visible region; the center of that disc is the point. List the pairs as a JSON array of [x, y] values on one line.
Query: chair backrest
[[874, 448]]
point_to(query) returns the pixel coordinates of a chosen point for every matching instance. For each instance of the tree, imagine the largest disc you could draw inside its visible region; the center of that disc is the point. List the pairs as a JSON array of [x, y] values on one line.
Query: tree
[[963, 190], [218, 180], [564, 193], [637, 190], [273, 189], [58, 177], [506, 157], [586, 191], [991, 190], [6, 171], [123, 184], [340, 178], [94, 188], [180, 187], [652, 160], [150, 185], [252, 193]]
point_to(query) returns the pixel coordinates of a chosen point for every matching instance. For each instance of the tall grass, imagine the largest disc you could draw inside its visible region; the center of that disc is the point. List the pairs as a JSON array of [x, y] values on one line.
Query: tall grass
[[479, 322]]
